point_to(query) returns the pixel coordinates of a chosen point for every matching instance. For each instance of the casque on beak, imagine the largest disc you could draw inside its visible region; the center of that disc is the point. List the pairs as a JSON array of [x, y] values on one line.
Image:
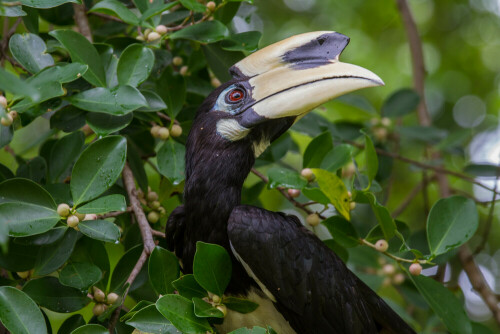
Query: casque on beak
[[298, 74]]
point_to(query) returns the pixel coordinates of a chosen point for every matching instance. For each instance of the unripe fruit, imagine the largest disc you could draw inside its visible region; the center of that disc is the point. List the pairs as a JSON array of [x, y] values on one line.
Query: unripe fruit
[[23, 274], [222, 308], [211, 6], [398, 279], [382, 245], [6, 120], [308, 174], [155, 131], [415, 269], [374, 121], [294, 193], [162, 211], [163, 133], [153, 217], [154, 205], [352, 206], [90, 216], [147, 32], [140, 38], [386, 122], [348, 171], [183, 71], [98, 309], [313, 219], [389, 269], [153, 36], [99, 295], [112, 298], [81, 216], [3, 101], [13, 114], [215, 82], [177, 61], [161, 29], [152, 196], [380, 133], [63, 210], [72, 221], [216, 299], [176, 130]]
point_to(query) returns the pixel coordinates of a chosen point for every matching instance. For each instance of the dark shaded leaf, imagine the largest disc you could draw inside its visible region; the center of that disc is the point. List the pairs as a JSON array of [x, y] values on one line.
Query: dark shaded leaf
[[100, 230], [212, 267], [104, 204], [171, 161], [204, 32], [163, 268], [187, 287], [80, 275], [179, 311], [19, 313], [30, 51], [400, 103], [202, 309], [239, 304], [342, 231], [150, 320], [51, 257]]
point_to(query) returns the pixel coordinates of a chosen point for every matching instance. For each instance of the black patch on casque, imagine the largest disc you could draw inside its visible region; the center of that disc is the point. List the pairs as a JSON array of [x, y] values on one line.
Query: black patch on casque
[[249, 118], [317, 52]]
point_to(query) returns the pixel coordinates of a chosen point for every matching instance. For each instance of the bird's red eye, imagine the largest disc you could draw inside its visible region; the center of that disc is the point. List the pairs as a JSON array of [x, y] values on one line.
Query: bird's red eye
[[235, 95]]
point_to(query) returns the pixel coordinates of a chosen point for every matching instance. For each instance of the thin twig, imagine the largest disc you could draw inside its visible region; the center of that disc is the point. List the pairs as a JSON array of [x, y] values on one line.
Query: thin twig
[[394, 257], [114, 213], [82, 21], [107, 17], [167, 118], [158, 234], [489, 221], [147, 237]]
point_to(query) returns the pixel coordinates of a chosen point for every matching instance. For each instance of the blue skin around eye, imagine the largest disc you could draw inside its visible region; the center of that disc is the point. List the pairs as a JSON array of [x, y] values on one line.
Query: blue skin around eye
[[221, 104]]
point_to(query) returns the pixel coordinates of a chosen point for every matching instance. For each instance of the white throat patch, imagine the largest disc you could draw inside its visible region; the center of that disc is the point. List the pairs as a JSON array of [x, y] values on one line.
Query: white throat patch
[[231, 129]]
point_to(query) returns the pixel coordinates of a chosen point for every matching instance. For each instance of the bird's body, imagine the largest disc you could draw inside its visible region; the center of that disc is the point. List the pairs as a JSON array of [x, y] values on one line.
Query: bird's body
[[299, 283]]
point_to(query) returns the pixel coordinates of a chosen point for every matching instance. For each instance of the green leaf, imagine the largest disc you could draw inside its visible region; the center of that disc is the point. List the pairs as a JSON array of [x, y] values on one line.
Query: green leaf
[[451, 222], [46, 3], [49, 293], [71, 323], [381, 213], [280, 177], [80, 275], [333, 187], [104, 124], [100, 230], [163, 268], [203, 309], [118, 101], [187, 287], [155, 10], [52, 256], [179, 311], [253, 330], [426, 134], [239, 304], [19, 257], [204, 32], [135, 65], [98, 168], [337, 249], [317, 150], [137, 166], [371, 160], [172, 89], [245, 41], [212, 267], [30, 51], [25, 219], [137, 307], [68, 119], [315, 194], [25, 191], [116, 8], [104, 204], [124, 267], [63, 153], [153, 100], [91, 329], [482, 170], [446, 306], [171, 161], [11, 83], [93, 251], [194, 6], [82, 51], [12, 11], [19, 313], [220, 60], [339, 156], [342, 231], [150, 320], [400, 103]]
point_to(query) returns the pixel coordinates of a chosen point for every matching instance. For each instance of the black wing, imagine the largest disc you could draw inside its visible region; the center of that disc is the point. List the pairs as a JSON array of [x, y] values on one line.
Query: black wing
[[313, 288]]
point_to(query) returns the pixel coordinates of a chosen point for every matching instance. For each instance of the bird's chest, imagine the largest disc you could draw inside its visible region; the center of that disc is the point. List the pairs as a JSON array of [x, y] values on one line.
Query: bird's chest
[[265, 315]]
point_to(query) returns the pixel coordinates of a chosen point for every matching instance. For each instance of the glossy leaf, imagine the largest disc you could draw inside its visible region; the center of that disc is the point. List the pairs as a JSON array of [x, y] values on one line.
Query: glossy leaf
[[80, 275], [150, 320], [52, 256], [104, 204], [220, 60], [163, 268], [82, 51], [116, 8], [68, 119], [253, 330], [98, 168], [30, 51], [483, 170], [25, 191], [451, 222], [172, 89], [91, 329], [179, 311], [203, 309], [193, 5], [19, 313], [239, 304], [92, 251], [338, 157], [153, 100], [171, 161], [187, 287], [245, 41], [49, 293], [71, 323], [124, 267], [25, 219], [400, 103], [212, 267], [155, 10], [100, 230], [381, 213], [118, 101], [315, 194], [342, 231], [317, 150], [63, 153], [280, 177], [333, 187], [135, 65], [442, 301], [11, 83], [204, 32], [46, 3], [104, 124]]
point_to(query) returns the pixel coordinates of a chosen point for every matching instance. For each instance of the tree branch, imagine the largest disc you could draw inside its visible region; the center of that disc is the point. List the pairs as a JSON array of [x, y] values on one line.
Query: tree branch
[[81, 21], [147, 237]]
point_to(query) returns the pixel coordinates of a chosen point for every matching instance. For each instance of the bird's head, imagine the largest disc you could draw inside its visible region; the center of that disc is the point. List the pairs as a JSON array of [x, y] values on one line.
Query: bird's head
[[275, 86]]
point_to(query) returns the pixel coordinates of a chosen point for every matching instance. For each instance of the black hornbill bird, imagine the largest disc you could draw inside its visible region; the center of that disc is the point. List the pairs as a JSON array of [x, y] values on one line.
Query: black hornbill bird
[[299, 283]]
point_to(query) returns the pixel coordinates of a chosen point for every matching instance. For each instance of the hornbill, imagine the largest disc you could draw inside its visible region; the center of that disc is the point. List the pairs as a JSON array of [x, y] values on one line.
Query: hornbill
[[299, 283]]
